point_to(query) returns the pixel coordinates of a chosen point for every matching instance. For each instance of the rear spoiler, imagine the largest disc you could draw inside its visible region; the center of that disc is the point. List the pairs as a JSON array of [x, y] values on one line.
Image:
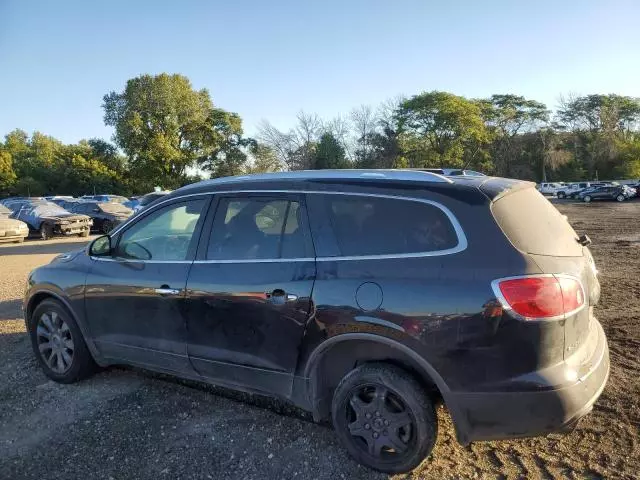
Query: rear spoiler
[[496, 188]]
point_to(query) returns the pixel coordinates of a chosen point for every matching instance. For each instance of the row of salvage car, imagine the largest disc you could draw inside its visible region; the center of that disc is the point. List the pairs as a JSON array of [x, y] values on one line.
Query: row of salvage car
[[590, 191], [46, 217]]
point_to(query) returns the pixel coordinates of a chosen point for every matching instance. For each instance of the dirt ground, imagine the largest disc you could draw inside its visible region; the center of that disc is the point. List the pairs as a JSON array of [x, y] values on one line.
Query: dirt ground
[[124, 424]]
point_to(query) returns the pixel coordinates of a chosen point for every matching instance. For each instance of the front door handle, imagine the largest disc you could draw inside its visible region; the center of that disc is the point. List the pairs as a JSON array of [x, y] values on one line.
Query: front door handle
[[164, 290], [279, 297]]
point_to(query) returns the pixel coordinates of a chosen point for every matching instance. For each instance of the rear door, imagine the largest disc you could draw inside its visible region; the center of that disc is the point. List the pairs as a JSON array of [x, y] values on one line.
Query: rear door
[[249, 291]]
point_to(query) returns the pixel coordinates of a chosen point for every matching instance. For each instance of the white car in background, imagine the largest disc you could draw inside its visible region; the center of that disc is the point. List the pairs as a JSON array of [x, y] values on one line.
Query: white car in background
[[549, 188]]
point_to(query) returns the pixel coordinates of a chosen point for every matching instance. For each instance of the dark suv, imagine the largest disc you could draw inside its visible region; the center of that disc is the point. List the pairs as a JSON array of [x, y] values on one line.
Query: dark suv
[[607, 192], [365, 297]]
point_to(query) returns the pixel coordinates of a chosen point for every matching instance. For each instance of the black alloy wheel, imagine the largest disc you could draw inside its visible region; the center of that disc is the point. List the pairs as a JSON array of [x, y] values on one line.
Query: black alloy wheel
[[384, 418]]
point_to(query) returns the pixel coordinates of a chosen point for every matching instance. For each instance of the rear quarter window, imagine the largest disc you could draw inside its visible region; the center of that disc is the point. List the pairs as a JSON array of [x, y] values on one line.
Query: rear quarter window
[[534, 225], [369, 225]]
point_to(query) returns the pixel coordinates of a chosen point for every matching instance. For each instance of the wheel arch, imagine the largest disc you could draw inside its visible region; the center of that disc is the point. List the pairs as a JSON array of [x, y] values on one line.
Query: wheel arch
[[36, 298], [334, 358]]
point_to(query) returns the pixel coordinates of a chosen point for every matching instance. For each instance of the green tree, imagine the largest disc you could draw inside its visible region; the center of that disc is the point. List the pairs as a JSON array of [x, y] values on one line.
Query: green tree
[[600, 126], [107, 154], [437, 128], [7, 175], [329, 153], [508, 116], [164, 126], [265, 159], [226, 154]]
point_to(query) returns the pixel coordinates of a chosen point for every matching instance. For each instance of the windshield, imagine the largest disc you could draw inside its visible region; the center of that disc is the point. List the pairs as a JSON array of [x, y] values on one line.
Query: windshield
[[113, 207]]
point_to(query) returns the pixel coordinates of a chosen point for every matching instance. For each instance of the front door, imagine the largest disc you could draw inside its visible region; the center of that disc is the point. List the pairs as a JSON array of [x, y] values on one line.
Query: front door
[[135, 298], [250, 292]]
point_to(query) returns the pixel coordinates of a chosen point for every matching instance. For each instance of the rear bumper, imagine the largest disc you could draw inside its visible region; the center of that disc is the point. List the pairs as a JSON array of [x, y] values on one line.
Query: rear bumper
[[561, 397]]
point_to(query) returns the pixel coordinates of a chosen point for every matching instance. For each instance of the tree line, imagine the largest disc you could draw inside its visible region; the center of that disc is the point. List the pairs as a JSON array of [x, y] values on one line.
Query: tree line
[[168, 134]]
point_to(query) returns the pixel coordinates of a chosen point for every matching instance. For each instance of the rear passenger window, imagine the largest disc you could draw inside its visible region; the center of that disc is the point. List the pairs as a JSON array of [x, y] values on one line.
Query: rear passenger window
[[383, 226], [257, 228]]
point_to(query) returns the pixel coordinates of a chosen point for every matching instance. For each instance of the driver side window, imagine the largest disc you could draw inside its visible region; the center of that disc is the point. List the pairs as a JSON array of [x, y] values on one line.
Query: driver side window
[[164, 235]]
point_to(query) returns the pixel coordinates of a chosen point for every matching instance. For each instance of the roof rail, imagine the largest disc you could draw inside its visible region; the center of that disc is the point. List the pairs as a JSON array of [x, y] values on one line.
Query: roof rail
[[352, 174]]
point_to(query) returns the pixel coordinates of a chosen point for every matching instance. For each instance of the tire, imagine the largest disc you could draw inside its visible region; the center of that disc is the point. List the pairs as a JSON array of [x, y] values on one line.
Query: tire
[[587, 198], [70, 362], [106, 227], [20, 240], [562, 195], [620, 198], [85, 233], [46, 231], [382, 395]]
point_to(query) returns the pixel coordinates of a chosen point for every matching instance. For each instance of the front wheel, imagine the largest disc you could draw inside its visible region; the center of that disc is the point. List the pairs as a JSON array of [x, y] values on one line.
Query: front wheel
[[107, 226], [587, 199], [58, 343], [384, 418], [46, 231], [620, 198], [84, 233], [561, 195]]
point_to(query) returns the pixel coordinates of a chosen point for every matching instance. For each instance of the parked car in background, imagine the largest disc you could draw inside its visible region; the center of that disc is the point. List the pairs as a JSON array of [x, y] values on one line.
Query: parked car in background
[[608, 192], [11, 230], [630, 190], [148, 199], [348, 293], [549, 188], [132, 203], [571, 189], [106, 198], [105, 215], [48, 219], [56, 198]]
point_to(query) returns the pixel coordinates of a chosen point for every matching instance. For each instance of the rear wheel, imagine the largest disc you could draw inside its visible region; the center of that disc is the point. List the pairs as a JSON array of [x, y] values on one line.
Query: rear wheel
[[46, 231], [561, 195], [620, 198], [384, 418], [58, 343], [587, 198]]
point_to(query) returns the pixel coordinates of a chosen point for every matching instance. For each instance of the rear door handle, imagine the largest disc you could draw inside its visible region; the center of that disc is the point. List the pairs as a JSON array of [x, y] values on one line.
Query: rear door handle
[[167, 291]]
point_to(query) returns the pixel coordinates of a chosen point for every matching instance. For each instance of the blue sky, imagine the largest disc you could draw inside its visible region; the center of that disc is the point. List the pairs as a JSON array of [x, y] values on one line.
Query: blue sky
[[270, 59]]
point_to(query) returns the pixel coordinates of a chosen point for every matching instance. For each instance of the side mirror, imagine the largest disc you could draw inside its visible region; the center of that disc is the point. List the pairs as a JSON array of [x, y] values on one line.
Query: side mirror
[[100, 247], [136, 251]]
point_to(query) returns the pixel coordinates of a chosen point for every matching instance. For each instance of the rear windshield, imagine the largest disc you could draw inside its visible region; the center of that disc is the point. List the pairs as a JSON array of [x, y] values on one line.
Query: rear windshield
[[534, 225]]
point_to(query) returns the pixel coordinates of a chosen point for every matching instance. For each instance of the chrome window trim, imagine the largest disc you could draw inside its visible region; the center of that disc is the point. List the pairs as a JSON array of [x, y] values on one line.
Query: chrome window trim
[[260, 260], [461, 246], [131, 260]]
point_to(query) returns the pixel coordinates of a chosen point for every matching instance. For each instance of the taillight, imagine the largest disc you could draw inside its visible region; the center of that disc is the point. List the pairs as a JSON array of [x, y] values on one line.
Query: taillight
[[540, 296]]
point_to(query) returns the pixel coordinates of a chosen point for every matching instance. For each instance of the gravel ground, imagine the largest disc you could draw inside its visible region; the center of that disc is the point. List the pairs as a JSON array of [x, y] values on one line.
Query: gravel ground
[[124, 424]]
